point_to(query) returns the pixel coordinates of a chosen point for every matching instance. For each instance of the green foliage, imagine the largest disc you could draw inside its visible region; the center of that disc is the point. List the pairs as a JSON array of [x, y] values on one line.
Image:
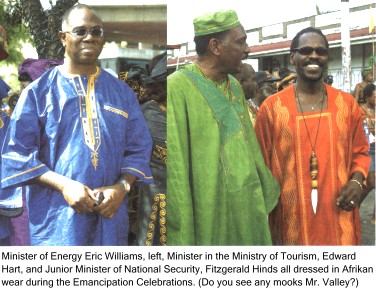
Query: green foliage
[[11, 19], [11, 16], [371, 60], [25, 21]]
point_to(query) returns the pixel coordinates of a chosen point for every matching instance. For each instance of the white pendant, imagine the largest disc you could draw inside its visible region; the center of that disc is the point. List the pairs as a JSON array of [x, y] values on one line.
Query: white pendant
[[314, 199]]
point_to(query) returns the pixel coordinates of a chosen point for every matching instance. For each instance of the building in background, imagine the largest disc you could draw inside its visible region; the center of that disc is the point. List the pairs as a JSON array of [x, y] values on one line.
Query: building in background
[[134, 34], [270, 45]]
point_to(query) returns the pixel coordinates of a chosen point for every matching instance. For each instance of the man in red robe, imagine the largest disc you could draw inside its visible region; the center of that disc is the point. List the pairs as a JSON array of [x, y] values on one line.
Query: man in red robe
[[312, 139]]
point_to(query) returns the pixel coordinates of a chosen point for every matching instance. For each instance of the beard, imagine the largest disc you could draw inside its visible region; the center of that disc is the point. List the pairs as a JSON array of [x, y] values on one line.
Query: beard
[[310, 78]]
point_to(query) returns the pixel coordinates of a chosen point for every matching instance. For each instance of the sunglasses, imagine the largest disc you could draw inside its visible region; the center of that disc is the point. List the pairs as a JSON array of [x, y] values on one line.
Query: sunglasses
[[308, 50], [83, 32]]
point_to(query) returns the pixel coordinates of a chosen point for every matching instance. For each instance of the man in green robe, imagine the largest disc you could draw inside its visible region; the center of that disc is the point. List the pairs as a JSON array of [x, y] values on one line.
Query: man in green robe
[[219, 190]]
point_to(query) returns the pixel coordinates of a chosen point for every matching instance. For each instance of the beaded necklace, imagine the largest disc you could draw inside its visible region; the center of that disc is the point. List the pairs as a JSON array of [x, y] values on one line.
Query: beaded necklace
[[313, 159]]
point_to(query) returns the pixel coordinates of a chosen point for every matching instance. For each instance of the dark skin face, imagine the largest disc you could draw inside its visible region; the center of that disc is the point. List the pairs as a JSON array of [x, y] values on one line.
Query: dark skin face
[[246, 79], [265, 90], [369, 78], [225, 56], [371, 100], [234, 49], [81, 53], [310, 68]]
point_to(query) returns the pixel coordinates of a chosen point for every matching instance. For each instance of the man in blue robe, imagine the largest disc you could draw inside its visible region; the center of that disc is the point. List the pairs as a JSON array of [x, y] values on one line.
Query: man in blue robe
[[77, 134]]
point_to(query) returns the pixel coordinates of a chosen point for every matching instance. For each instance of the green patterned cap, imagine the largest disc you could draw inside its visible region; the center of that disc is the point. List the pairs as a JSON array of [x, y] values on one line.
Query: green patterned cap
[[215, 22]]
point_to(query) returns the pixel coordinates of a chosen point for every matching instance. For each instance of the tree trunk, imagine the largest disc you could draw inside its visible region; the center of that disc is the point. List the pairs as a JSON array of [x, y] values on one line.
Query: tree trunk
[[45, 25]]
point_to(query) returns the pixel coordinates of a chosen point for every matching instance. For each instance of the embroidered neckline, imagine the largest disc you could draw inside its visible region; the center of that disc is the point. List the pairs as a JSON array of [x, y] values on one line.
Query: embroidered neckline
[[217, 85], [89, 114]]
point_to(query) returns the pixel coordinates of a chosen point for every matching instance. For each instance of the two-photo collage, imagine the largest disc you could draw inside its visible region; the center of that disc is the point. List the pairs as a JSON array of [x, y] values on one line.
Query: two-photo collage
[[199, 123]]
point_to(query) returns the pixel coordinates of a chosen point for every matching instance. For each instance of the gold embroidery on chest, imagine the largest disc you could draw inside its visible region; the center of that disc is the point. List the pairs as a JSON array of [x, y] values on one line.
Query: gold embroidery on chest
[[89, 116]]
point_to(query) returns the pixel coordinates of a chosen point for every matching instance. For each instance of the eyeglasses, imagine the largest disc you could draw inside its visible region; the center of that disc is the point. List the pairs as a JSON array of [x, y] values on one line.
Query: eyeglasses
[[307, 50], [83, 32]]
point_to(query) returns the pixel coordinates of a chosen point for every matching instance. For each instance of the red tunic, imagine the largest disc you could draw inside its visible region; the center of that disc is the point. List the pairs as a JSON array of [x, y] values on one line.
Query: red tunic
[[341, 149]]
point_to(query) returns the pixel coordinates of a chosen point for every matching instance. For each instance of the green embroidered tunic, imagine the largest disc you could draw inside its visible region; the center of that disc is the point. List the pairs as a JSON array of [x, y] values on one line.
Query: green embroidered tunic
[[219, 189]]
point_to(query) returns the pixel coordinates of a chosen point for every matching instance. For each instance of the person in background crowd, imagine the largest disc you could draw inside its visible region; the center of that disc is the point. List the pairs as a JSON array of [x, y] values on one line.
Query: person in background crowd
[[147, 201], [31, 69], [10, 102], [133, 79], [367, 78], [4, 121], [368, 112], [4, 231], [28, 71], [79, 140], [4, 89], [12, 198], [247, 81], [219, 189], [266, 86], [287, 78], [328, 80], [152, 198], [312, 139]]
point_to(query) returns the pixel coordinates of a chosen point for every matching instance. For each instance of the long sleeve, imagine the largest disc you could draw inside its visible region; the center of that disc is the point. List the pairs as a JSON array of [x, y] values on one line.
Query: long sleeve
[[20, 154]]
